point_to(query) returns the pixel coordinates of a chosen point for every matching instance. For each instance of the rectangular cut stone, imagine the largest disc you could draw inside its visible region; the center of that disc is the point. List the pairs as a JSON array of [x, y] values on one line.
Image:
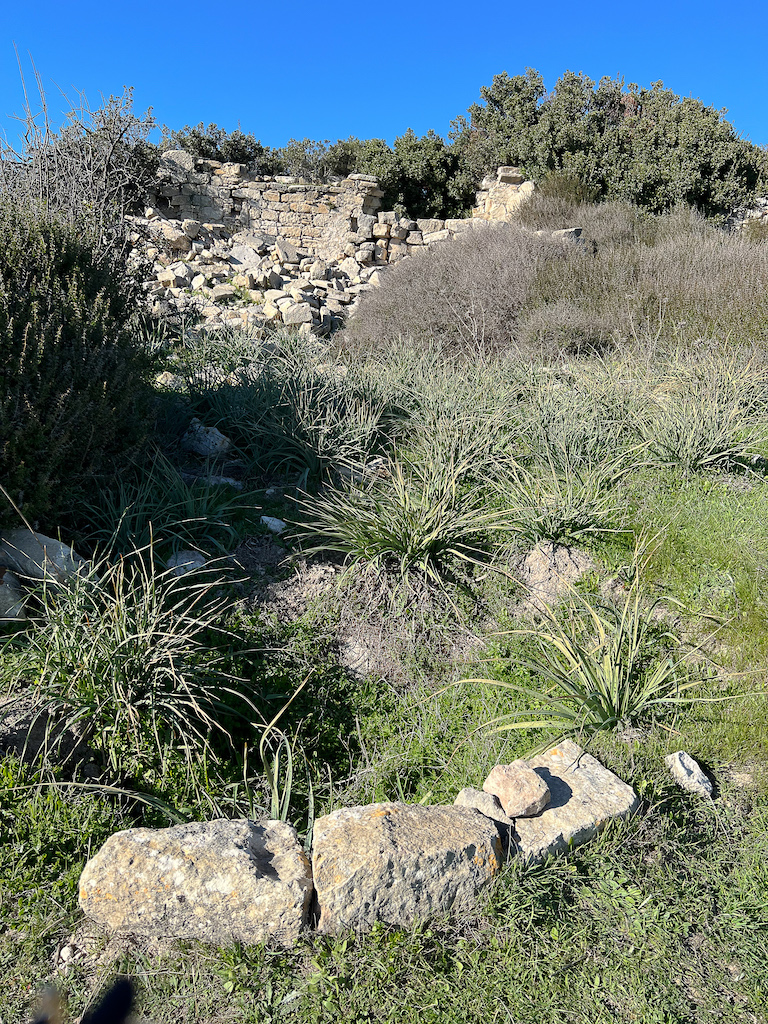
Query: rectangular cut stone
[[399, 863], [585, 796]]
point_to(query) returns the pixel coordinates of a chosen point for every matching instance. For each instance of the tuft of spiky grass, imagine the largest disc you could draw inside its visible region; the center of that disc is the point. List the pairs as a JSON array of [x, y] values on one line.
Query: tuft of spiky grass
[[704, 417], [560, 502], [157, 505], [121, 655], [420, 519], [618, 668]]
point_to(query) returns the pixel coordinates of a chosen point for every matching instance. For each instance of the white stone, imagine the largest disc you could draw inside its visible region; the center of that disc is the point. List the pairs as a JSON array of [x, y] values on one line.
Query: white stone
[[688, 774], [205, 441], [273, 524]]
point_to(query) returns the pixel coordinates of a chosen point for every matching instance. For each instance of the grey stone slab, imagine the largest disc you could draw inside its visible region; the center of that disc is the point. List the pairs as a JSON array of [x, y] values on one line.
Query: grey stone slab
[[585, 796]]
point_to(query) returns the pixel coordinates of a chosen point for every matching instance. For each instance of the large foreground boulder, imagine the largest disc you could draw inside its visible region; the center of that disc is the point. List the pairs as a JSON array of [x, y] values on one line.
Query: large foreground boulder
[[584, 797], [217, 881], [400, 863]]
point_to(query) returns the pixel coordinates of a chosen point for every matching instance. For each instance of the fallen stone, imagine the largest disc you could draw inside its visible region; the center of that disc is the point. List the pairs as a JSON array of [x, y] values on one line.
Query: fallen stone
[[400, 863], [191, 228], [182, 562], [585, 796], [567, 234], [286, 251], [487, 803], [688, 774], [216, 881], [205, 441], [273, 524], [36, 556], [222, 292], [520, 791]]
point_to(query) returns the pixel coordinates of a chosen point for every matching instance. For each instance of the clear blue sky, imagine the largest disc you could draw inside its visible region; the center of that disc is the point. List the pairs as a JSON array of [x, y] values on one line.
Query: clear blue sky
[[343, 68]]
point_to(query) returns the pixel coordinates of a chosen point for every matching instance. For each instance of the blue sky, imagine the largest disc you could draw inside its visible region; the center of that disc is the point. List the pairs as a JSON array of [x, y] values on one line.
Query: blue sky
[[327, 71]]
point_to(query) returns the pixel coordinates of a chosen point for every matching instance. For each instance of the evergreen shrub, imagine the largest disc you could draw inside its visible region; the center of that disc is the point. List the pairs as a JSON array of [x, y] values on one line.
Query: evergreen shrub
[[71, 376]]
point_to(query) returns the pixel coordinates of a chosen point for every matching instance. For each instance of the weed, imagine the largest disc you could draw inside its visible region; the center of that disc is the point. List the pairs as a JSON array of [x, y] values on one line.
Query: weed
[[621, 670], [122, 655]]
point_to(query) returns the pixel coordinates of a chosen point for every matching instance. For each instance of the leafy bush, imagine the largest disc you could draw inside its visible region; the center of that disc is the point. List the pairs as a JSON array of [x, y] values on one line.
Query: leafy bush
[[644, 146], [71, 377], [465, 296], [215, 143]]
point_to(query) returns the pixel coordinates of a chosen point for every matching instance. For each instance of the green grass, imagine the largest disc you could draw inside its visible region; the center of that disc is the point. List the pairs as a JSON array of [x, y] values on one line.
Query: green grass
[[664, 917]]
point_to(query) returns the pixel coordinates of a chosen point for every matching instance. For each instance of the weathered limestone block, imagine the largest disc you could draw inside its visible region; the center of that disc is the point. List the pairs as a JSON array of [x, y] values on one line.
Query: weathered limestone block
[[585, 796], [520, 791], [37, 557], [297, 313], [205, 441], [218, 881], [399, 863], [688, 774], [430, 226]]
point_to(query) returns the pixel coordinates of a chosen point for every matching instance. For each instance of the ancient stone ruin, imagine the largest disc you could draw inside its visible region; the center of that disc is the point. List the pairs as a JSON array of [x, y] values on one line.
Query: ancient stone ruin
[[241, 250], [225, 881]]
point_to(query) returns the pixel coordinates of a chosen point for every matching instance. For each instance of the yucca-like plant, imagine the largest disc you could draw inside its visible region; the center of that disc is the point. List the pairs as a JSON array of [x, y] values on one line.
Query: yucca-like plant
[[559, 502], [419, 519], [617, 668], [121, 654]]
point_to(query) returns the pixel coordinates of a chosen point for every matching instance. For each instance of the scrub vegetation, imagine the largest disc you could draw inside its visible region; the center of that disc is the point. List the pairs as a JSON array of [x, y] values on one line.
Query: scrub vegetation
[[611, 400]]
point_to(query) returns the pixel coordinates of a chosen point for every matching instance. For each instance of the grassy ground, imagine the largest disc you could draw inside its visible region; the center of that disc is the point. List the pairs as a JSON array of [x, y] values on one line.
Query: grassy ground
[[634, 458]]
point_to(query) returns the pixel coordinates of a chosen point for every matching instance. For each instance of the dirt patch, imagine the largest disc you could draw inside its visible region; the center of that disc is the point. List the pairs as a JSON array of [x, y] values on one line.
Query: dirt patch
[[259, 556], [548, 574], [28, 728]]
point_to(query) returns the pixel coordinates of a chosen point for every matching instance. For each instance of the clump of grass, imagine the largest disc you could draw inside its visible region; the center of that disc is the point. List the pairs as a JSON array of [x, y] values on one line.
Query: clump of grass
[[619, 668], [704, 418], [122, 655], [560, 502], [156, 505], [291, 413], [419, 520]]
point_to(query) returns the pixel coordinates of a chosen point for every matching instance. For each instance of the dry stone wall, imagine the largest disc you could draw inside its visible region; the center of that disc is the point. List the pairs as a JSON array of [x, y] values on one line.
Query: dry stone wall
[[314, 217], [243, 251]]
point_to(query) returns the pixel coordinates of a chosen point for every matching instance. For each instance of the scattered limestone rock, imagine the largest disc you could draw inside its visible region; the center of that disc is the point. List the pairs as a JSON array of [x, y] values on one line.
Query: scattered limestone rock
[[273, 524], [585, 796], [399, 863], [205, 441], [182, 562], [218, 881], [37, 557], [688, 774], [520, 791], [487, 803]]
